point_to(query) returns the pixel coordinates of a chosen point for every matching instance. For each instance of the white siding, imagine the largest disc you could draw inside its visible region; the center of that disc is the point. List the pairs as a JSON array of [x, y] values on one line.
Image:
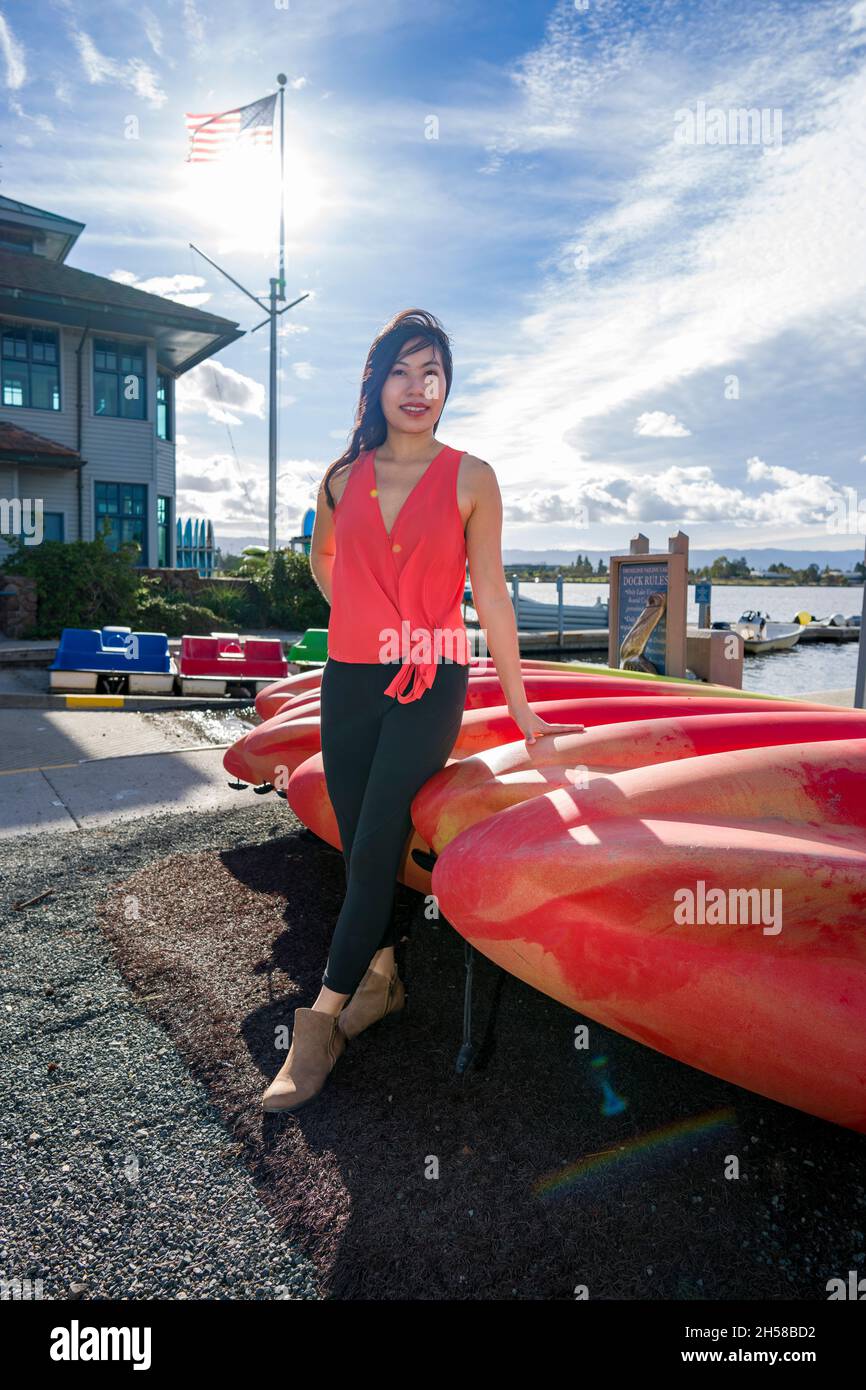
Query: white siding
[[165, 467], [114, 450], [119, 451], [55, 487], [8, 490]]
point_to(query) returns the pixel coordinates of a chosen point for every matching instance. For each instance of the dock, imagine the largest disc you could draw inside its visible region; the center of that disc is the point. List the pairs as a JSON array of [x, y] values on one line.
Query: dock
[[820, 632]]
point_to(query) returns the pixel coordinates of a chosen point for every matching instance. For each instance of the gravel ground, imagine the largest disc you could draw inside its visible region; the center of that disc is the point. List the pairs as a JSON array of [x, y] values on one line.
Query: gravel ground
[[118, 1179], [136, 1163]]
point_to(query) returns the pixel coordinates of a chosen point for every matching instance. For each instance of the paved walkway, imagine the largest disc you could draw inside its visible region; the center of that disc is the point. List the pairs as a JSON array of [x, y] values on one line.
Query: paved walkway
[[67, 771], [830, 697]]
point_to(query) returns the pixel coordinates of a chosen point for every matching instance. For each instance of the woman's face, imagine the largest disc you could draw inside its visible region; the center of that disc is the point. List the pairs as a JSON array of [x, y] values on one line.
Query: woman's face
[[414, 390]]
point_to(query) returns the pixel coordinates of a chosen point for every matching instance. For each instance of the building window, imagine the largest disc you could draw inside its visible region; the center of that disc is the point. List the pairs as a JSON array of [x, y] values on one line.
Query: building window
[[121, 514], [163, 532], [30, 360], [164, 403], [53, 527], [10, 241], [119, 381]]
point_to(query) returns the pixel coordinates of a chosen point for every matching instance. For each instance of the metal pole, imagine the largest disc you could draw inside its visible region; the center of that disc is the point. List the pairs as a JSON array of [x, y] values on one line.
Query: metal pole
[[281, 78], [278, 291], [559, 601], [273, 315], [272, 427], [860, 682]]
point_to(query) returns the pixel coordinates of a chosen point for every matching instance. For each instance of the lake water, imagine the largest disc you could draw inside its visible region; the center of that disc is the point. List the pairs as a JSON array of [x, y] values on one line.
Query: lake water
[[808, 666]]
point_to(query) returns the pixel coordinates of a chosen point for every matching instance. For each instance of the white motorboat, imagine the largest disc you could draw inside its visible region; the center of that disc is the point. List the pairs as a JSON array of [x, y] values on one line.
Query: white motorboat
[[761, 635]]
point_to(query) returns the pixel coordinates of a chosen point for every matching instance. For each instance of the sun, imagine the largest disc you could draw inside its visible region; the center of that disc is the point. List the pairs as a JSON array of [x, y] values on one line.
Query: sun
[[233, 204]]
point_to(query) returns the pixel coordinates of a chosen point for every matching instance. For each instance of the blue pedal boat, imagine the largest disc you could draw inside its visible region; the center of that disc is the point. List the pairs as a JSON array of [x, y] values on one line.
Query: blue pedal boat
[[113, 657]]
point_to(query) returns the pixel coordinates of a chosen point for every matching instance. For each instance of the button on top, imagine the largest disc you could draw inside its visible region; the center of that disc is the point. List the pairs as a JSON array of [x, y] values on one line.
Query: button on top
[[396, 546], [374, 492]]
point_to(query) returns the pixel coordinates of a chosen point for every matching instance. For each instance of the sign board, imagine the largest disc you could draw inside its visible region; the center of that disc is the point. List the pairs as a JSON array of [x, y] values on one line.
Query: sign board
[[647, 608], [703, 591]]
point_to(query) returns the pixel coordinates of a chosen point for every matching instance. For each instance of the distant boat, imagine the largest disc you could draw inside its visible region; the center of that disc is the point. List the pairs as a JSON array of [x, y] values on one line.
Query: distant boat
[[835, 628], [760, 635]]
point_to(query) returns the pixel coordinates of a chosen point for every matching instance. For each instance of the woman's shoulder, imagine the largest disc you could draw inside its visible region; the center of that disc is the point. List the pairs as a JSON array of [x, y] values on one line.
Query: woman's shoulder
[[338, 478], [472, 465], [476, 474]]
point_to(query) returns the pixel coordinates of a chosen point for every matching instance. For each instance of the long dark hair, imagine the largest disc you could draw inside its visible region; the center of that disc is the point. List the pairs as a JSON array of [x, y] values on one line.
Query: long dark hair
[[371, 427]]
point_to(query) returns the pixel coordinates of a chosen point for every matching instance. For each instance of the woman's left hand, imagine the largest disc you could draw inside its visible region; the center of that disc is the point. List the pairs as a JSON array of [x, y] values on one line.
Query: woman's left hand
[[532, 725]]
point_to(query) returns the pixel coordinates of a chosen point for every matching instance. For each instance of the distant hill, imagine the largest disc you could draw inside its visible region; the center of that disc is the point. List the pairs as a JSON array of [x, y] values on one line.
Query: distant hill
[[235, 545], [760, 559]]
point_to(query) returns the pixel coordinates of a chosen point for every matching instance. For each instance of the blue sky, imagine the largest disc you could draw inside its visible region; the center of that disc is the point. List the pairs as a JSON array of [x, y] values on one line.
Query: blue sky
[[647, 333]]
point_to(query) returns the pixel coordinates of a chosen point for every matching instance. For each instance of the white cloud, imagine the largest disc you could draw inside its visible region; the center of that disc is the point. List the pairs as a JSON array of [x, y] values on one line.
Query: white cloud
[[221, 393], [305, 371], [658, 425], [193, 25], [152, 30], [679, 495], [135, 74], [182, 289], [13, 56], [43, 122], [699, 259]]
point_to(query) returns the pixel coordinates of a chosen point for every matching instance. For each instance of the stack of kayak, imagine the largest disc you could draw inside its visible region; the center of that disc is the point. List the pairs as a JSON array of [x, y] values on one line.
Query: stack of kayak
[[690, 871]]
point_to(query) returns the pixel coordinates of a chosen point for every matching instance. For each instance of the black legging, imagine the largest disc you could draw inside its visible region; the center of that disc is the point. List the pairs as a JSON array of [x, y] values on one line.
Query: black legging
[[377, 753]]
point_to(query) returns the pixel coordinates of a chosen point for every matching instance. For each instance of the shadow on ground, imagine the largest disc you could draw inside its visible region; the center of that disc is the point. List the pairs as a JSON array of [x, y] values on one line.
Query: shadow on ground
[[403, 1181]]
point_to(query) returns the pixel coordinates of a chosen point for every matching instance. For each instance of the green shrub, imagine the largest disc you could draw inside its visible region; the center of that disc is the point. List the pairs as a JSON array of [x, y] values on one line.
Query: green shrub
[[84, 584], [78, 583], [294, 597], [155, 612], [238, 608]]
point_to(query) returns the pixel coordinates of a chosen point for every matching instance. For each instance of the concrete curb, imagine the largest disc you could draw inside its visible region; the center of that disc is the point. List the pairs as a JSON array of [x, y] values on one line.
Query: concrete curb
[[137, 704]]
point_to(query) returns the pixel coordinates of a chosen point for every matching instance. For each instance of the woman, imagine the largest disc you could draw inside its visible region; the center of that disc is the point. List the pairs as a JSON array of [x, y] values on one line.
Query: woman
[[397, 516]]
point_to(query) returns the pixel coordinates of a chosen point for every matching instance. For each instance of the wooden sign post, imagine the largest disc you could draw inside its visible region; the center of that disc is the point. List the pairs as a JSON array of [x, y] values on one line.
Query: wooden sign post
[[647, 608]]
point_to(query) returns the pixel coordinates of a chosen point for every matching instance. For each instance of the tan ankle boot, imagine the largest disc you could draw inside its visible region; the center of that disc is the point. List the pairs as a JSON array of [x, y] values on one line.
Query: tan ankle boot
[[317, 1045], [376, 996]]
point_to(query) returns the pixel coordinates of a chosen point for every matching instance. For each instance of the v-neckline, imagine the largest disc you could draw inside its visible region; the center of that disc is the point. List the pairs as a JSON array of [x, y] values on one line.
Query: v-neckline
[[411, 493]]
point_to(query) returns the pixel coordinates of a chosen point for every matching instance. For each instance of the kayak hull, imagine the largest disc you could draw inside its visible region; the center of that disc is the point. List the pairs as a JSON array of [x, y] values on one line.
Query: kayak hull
[[713, 909]]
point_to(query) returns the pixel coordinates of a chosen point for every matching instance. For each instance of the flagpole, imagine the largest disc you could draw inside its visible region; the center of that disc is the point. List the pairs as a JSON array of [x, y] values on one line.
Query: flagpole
[[281, 79], [278, 291]]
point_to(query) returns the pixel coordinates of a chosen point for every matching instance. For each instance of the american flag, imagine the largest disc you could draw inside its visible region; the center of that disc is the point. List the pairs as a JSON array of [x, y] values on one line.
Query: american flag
[[213, 135]]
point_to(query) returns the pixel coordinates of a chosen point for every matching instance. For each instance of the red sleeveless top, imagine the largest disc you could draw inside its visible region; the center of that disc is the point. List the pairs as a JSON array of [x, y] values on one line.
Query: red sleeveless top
[[397, 597]]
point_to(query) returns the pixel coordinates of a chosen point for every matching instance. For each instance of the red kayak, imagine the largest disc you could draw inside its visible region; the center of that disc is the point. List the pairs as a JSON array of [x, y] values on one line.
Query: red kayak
[[714, 909]]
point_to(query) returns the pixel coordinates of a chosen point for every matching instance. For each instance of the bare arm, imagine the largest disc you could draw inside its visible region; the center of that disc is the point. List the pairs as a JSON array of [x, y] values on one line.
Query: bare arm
[[490, 596], [322, 545], [492, 602]]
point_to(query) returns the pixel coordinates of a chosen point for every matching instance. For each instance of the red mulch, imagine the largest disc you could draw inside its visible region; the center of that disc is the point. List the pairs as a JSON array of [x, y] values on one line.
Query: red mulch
[[231, 943]]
